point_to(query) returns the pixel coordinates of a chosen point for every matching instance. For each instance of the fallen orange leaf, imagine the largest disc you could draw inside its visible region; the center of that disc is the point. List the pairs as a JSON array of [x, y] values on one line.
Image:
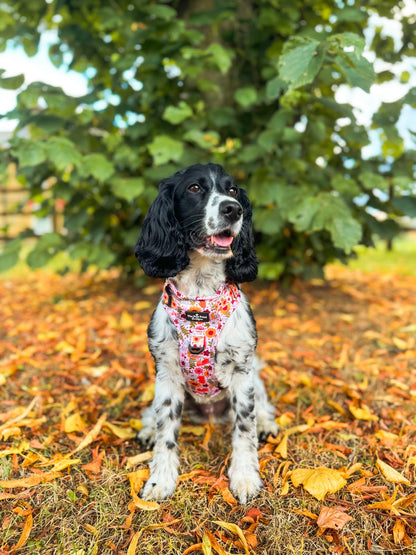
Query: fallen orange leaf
[[29, 481], [25, 532], [333, 517]]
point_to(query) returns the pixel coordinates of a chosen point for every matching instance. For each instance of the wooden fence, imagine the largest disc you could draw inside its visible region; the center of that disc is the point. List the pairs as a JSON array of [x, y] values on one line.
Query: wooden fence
[[15, 214]]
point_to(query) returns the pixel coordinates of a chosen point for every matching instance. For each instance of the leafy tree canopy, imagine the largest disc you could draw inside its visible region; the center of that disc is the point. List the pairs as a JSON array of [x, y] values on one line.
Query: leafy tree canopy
[[250, 84]]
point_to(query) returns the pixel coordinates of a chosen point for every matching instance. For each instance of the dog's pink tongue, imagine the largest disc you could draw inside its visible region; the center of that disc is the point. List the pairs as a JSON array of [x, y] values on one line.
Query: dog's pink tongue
[[222, 241]]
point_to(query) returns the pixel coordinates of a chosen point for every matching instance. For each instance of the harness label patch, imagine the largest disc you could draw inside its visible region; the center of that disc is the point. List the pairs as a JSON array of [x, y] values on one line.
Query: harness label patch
[[195, 316]]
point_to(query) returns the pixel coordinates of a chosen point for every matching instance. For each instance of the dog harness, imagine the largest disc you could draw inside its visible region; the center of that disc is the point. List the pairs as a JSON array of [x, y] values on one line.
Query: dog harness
[[199, 321]]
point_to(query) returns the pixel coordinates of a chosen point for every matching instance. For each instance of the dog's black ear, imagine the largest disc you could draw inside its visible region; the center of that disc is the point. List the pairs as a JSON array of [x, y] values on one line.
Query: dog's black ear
[[161, 248], [243, 266]]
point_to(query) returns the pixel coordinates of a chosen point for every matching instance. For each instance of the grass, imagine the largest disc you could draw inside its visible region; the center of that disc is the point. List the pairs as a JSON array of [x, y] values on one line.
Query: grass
[[401, 259], [349, 342]]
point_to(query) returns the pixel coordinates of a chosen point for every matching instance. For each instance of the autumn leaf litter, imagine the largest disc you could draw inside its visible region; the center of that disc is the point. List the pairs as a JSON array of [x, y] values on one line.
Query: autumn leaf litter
[[75, 374]]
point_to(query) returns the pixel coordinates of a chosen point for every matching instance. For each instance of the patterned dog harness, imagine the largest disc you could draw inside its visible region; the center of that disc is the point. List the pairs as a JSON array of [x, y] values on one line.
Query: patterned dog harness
[[199, 321]]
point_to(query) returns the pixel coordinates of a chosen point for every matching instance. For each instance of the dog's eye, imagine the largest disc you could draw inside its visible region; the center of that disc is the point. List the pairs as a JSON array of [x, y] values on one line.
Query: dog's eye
[[233, 191], [194, 188]]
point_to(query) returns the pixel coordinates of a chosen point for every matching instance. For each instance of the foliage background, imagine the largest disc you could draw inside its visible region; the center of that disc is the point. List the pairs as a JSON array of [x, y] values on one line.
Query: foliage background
[[249, 84]]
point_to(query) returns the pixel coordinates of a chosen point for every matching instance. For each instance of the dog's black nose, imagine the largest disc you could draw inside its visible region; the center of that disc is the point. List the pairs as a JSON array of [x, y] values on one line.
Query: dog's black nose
[[230, 210]]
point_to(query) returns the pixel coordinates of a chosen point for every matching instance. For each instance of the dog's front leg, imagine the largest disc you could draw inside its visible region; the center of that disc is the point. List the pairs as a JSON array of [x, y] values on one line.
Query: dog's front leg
[[167, 408], [244, 469]]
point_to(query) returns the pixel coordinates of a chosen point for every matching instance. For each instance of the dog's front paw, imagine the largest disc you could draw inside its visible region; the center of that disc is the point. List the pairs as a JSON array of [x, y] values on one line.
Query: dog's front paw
[[157, 489], [245, 485]]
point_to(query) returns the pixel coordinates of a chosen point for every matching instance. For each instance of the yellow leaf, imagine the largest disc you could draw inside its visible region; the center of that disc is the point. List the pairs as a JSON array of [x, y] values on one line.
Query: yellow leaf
[[74, 423], [140, 458], [145, 505], [12, 431], [141, 305], [281, 449], [118, 431], [206, 545], [297, 429], [352, 469], [383, 435], [91, 529], [390, 474], [133, 544], [64, 347], [318, 481], [285, 488], [305, 512], [65, 463], [92, 435], [284, 420], [214, 543], [233, 528], [136, 424], [399, 343], [362, 413], [126, 321], [194, 430], [137, 479], [82, 488]]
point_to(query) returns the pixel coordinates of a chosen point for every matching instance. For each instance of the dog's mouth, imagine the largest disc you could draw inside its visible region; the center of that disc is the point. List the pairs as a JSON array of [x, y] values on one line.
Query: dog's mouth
[[219, 243]]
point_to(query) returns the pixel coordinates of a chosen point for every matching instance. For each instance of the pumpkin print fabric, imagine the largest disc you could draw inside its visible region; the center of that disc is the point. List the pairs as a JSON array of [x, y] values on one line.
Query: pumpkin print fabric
[[199, 321]]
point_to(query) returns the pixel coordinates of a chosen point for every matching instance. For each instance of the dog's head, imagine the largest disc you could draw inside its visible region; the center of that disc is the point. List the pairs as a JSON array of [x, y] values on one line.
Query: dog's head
[[202, 209]]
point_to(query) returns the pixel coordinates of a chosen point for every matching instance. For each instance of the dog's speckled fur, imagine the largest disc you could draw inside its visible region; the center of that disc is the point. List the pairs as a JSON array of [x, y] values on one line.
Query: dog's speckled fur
[[193, 206]]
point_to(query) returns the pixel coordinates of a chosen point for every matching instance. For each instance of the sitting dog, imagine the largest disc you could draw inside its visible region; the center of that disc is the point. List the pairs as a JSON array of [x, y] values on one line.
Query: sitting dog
[[198, 236]]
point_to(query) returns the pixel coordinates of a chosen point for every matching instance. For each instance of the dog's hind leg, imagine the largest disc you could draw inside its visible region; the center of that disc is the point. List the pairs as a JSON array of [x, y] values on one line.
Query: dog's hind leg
[[265, 417]]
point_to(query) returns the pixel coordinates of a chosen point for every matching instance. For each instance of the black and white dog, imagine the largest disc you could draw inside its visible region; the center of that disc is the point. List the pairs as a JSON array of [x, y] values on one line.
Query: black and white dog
[[202, 335]]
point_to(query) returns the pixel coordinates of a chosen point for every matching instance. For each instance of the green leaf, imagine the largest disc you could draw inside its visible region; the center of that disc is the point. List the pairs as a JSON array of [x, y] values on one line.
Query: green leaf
[[246, 96], [45, 249], [326, 211], [9, 257], [102, 256], [163, 148], [274, 88], [205, 140], [373, 181], [406, 204], [346, 232], [300, 61], [161, 12], [11, 83], [29, 152], [127, 188], [271, 270], [268, 220], [62, 152], [348, 40], [358, 73], [177, 114], [346, 186], [220, 56], [96, 165]]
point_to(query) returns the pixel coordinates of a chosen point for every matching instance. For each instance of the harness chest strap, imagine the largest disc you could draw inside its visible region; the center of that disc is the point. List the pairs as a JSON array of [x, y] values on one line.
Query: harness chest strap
[[199, 321]]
